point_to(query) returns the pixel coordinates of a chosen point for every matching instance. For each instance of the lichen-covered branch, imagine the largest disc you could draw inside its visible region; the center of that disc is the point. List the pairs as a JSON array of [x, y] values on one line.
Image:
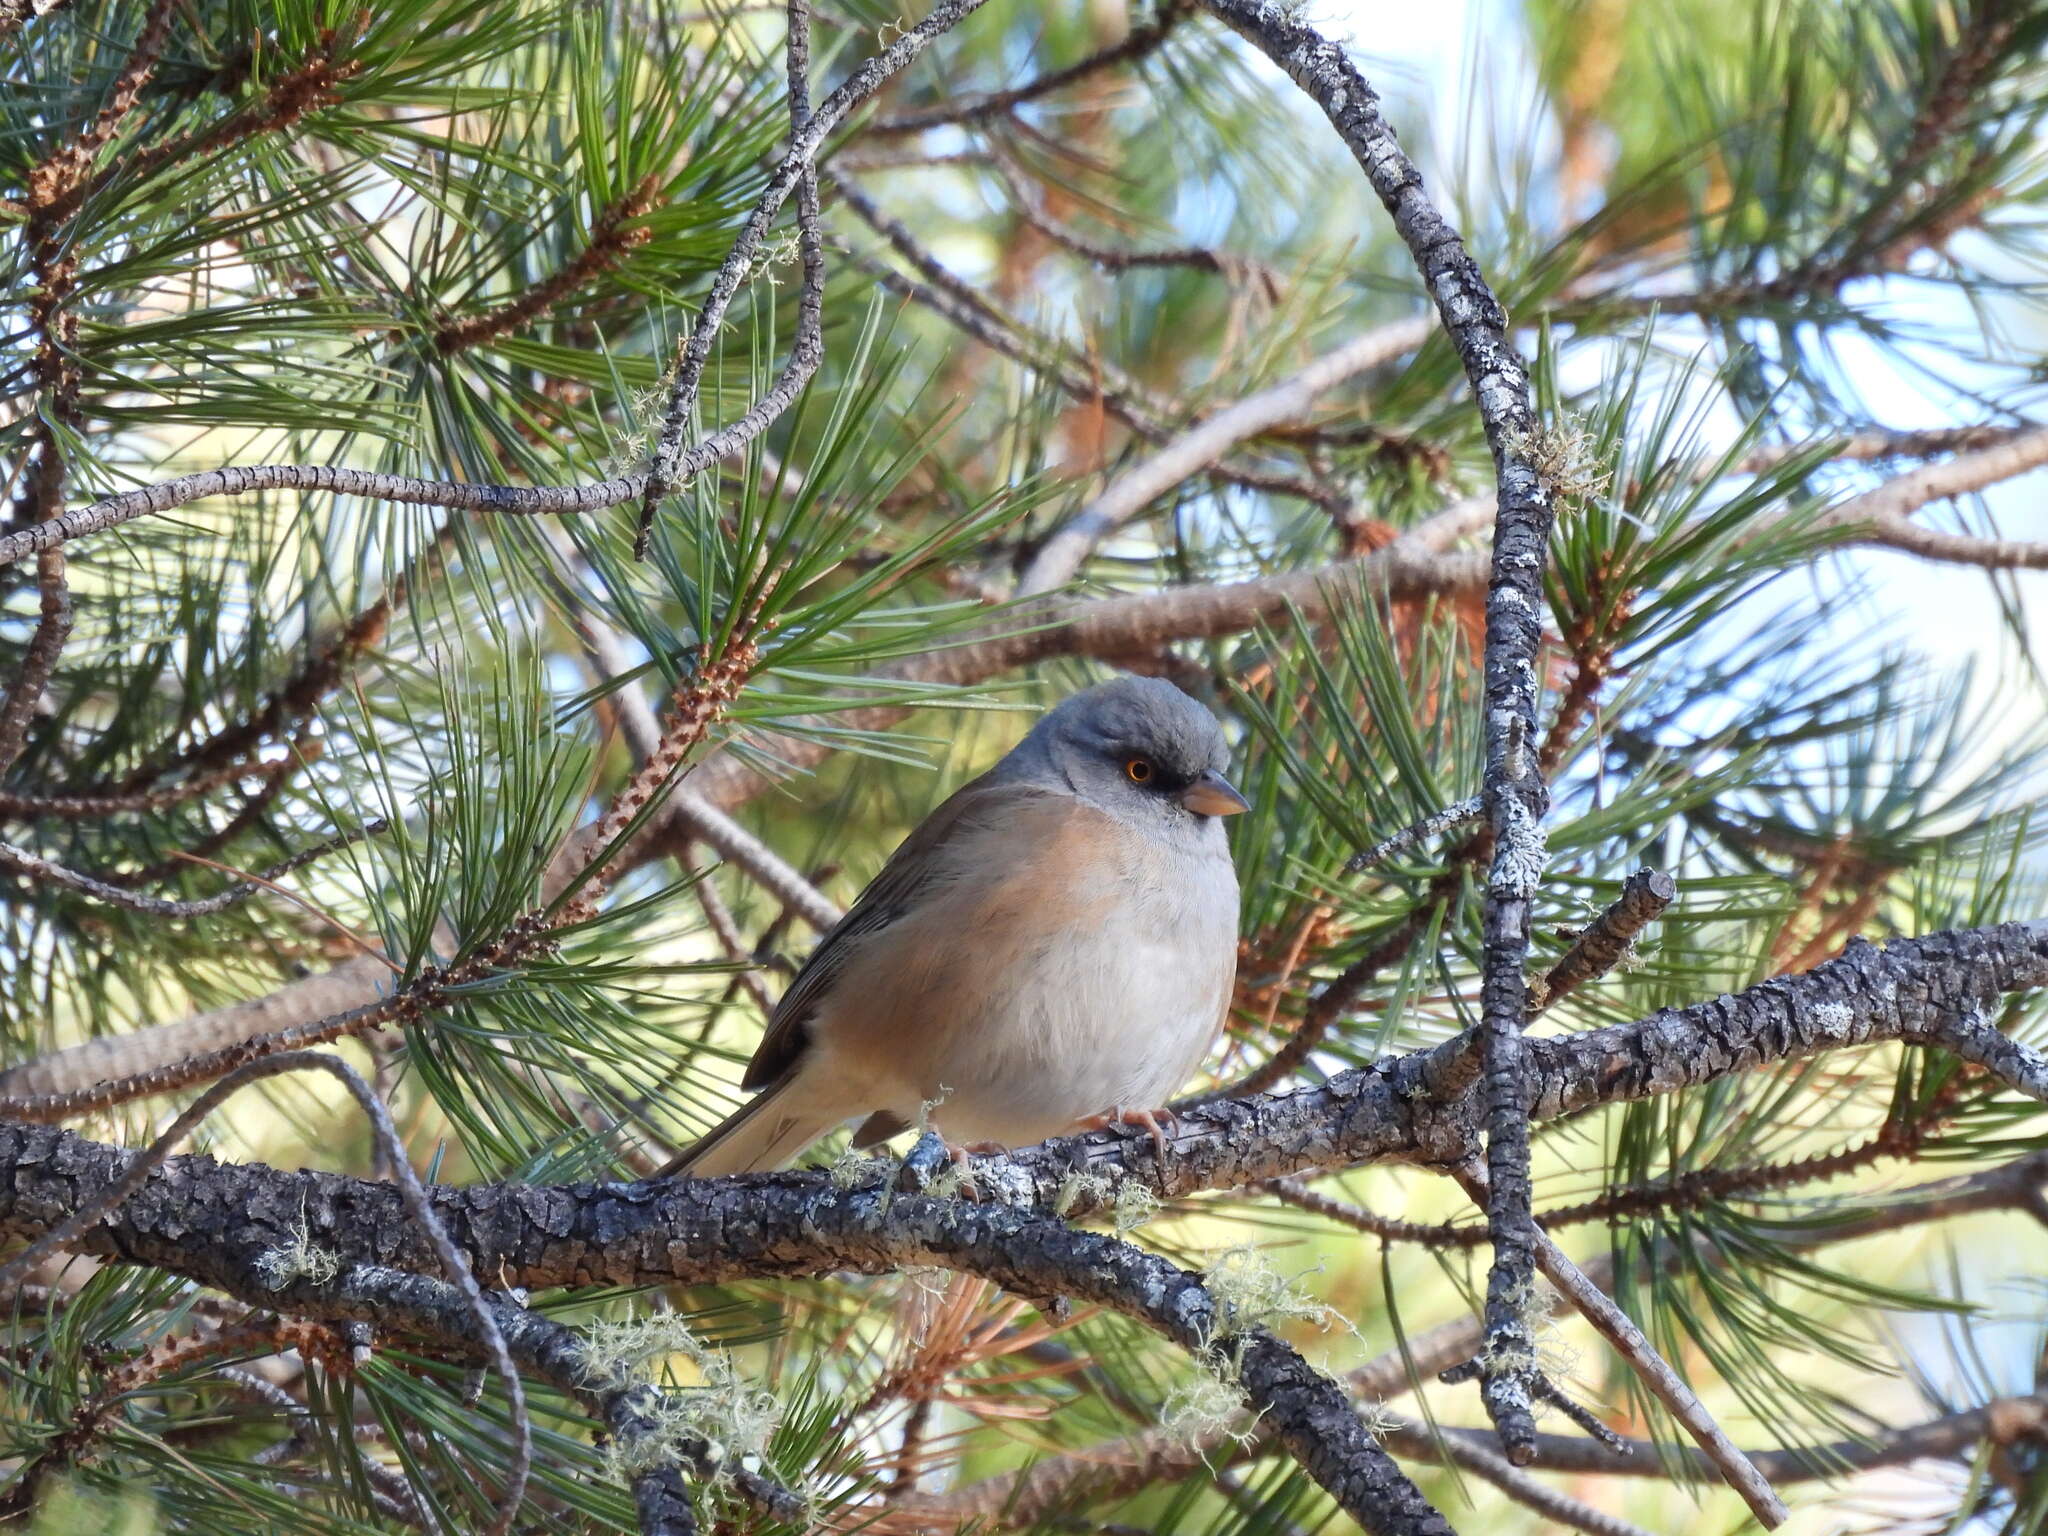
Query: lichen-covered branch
[[1515, 795]]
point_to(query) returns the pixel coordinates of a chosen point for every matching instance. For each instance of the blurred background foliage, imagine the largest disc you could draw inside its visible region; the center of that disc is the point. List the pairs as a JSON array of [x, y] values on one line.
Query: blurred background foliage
[[459, 239]]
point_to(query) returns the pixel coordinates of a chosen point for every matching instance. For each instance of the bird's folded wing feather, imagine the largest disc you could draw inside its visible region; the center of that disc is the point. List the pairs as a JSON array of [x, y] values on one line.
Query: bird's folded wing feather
[[905, 882]]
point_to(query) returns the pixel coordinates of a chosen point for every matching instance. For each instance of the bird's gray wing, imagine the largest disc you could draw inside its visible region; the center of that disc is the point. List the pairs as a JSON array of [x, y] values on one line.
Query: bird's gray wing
[[904, 882]]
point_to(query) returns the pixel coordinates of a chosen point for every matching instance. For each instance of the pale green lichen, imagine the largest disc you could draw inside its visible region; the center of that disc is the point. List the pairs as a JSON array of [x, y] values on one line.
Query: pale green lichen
[[851, 1169], [948, 1181], [1205, 1406], [1378, 1419], [709, 1428], [1541, 1346], [1133, 1206], [296, 1259], [1565, 455], [720, 1412], [1249, 1293], [1130, 1203], [614, 1351]]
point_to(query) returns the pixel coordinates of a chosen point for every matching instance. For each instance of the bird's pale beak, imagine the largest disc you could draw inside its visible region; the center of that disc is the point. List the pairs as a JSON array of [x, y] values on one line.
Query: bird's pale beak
[[1212, 795]]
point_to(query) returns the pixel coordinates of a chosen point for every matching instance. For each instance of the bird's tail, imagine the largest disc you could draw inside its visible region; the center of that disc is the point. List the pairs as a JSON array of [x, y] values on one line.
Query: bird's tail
[[767, 1131]]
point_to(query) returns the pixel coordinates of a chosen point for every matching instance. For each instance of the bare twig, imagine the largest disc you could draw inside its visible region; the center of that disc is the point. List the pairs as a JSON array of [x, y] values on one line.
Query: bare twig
[[1202, 446], [1114, 258], [727, 931], [1409, 1438], [38, 868], [1139, 42], [1596, 951], [1884, 515], [613, 234], [796, 174], [506, 500], [1449, 819], [1975, 1039], [1614, 1325]]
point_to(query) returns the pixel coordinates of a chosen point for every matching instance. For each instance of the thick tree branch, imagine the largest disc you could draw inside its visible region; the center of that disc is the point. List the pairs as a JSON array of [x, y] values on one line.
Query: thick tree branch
[[215, 1224], [865, 1229], [1115, 1468], [467, 1295], [705, 1231]]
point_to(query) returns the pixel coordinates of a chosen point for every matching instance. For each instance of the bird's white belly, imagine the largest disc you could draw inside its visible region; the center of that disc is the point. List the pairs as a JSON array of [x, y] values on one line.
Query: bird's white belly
[[1114, 1013]]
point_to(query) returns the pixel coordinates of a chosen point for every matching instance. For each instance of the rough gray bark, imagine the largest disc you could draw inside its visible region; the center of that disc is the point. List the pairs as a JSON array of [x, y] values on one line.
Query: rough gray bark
[[1515, 794], [211, 1222]]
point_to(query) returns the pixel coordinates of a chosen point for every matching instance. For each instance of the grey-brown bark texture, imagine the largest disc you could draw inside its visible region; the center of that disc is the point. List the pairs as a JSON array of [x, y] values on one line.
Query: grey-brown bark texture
[[214, 1221], [491, 943]]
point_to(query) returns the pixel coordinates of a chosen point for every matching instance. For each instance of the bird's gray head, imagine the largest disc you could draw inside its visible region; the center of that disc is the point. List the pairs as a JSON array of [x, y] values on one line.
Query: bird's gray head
[[1137, 748]]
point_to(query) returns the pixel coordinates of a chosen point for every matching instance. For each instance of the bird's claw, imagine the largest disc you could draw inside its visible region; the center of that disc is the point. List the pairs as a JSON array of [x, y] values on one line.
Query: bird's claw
[[1157, 1121], [921, 1162]]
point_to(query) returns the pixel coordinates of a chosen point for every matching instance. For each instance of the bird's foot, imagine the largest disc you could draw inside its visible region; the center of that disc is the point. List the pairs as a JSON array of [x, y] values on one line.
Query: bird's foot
[[1157, 1121], [920, 1163]]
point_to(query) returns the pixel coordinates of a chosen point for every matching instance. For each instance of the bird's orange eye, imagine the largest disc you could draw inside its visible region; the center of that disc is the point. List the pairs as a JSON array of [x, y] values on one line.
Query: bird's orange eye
[[1138, 771]]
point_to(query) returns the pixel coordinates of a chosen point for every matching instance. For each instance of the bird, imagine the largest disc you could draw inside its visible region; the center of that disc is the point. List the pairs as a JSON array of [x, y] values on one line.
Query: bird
[[1052, 949]]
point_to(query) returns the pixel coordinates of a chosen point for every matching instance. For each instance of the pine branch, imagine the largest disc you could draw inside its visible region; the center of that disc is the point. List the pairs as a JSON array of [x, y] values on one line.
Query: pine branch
[[53, 628], [98, 802], [1203, 446], [313, 82], [798, 170], [1596, 951], [851, 1229], [1650, 1368], [1516, 797], [613, 235], [52, 185], [1138, 44], [431, 987], [1117, 1469], [329, 658], [1114, 259], [1449, 819]]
